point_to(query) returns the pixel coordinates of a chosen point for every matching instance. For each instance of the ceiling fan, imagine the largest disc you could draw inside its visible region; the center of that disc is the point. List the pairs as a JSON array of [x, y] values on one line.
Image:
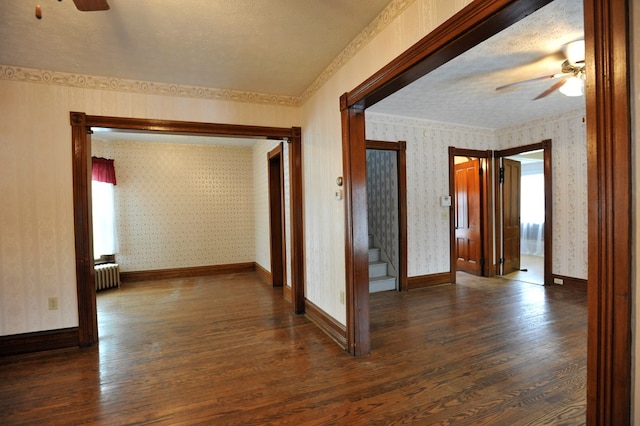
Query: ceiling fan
[[570, 78], [91, 5], [81, 5]]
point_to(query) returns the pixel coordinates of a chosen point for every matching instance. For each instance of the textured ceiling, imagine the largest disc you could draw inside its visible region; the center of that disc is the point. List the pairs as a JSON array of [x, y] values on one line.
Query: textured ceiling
[[281, 47], [463, 91], [262, 46]]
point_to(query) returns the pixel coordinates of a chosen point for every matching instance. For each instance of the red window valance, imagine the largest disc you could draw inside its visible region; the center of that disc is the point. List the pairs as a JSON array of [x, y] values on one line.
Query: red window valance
[[102, 170]]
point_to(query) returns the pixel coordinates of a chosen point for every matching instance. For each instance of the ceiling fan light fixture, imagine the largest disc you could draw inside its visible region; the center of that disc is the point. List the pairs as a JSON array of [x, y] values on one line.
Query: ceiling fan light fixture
[[574, 52], [574, 86]]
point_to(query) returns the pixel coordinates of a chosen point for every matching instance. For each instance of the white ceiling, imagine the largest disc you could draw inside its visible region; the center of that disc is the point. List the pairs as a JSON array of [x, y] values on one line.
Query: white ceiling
[[463, 90], [281, 47], [263, 46]]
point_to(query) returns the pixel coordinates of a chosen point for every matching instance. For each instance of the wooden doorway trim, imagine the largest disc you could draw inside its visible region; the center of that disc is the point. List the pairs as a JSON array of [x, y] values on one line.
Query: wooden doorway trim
[[609, 179], [488, 269], [400, 148], [277, 226], [545, 145], [81, 124]]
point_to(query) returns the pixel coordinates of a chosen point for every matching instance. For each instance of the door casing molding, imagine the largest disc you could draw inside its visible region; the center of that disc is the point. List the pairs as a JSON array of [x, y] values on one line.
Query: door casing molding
[[545, 145], [81, 125]]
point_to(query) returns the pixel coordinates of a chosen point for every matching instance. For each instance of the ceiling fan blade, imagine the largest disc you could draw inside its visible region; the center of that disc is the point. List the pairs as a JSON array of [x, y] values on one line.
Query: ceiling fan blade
[[523, 82], [91, 5], [552, 89]]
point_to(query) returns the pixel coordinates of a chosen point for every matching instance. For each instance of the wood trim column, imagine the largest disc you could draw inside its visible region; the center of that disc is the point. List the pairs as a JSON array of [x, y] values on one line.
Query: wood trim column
[[354, 165], [609, 163], [402, 216], [87, 311], [297, 220], [548, 212]]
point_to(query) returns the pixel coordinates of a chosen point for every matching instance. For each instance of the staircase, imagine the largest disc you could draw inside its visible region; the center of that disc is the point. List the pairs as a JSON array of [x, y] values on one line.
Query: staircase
[[379, 280]]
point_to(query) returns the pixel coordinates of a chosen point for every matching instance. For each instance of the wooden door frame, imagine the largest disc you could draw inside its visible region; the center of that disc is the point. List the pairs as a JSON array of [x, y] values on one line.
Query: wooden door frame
[[277, 225], [400, 148], [609, 158], [82, 123], [487, 222], [545, 145]]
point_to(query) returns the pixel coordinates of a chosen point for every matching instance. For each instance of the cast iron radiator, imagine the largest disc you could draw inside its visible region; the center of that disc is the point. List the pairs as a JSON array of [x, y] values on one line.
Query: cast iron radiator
[[107, 276]]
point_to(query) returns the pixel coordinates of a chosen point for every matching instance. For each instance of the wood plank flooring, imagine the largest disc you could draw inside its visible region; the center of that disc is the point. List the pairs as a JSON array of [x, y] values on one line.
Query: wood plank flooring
[[227, 350]]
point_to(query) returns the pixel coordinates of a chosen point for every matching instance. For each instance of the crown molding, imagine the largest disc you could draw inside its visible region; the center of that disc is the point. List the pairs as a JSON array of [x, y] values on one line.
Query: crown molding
[[391, 12], [31, 75]]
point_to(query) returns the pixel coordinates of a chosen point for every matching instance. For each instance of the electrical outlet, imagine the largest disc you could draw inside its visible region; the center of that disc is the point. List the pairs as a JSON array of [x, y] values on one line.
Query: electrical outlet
[[342, 297], [558, 281], [53, 303]]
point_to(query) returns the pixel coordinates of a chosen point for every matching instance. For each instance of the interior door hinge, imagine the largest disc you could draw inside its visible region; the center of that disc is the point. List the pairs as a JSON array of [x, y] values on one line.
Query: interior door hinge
[[502, 174], [502, 260], [480, 171], [482, 261]]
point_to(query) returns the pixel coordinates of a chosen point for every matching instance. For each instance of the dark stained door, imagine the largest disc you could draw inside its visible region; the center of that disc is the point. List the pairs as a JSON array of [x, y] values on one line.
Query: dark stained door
[[468, 217], [510, 183], [276, 217]]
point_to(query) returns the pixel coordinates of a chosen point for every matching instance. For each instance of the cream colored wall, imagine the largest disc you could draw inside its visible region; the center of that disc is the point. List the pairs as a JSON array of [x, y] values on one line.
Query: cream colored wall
[[428, 236], [181, 205], [428, 179], [570, 197], [37, 259]]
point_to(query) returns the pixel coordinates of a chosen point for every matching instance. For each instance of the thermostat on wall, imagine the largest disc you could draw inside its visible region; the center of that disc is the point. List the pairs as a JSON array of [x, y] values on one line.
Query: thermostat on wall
[[445, 201]]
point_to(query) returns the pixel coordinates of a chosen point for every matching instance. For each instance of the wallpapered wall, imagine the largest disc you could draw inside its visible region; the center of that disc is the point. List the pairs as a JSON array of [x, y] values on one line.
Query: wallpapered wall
[[180, 205], [428, 179], [382, 202], [569, 155]]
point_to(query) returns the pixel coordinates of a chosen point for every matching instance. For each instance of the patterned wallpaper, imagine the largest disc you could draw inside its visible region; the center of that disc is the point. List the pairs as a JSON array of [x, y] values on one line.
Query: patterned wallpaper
[[569, 155], [428, 179], [382, 201], [181, 205]]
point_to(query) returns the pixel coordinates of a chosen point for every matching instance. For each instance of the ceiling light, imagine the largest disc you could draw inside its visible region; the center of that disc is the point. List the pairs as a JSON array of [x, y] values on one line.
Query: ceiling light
[[574, 86], [574, 52]]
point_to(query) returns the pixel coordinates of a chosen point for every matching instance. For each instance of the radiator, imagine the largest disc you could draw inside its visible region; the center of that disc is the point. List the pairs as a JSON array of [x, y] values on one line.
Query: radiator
[[107, 276]]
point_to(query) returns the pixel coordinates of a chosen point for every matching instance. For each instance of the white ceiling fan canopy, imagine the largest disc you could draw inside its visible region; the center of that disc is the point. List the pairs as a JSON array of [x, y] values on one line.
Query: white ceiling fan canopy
[[574, 52]]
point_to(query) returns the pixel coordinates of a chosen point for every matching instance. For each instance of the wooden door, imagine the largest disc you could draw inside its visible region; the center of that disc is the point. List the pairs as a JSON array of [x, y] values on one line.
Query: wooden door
[[468, 217], [276, 217], [510, 183]]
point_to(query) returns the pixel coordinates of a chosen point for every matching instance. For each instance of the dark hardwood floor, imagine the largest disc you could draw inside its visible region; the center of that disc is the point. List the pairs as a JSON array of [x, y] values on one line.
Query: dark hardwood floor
[[227, 350]]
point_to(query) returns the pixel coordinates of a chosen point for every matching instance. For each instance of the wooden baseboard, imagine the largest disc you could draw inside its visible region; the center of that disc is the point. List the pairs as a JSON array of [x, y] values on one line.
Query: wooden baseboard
[[327, 323], [287, 293], [195, 271], [570, 283], [264, 274], [428, 280], [39, 341]]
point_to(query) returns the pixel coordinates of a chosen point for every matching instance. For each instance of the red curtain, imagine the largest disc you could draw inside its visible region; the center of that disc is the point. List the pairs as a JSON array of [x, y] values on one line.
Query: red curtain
[[102, 170]]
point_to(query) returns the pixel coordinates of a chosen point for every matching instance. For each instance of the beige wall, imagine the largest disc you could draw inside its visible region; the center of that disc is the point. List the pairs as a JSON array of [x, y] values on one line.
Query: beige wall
[[428, 179], [181, 205], [569, 172]]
